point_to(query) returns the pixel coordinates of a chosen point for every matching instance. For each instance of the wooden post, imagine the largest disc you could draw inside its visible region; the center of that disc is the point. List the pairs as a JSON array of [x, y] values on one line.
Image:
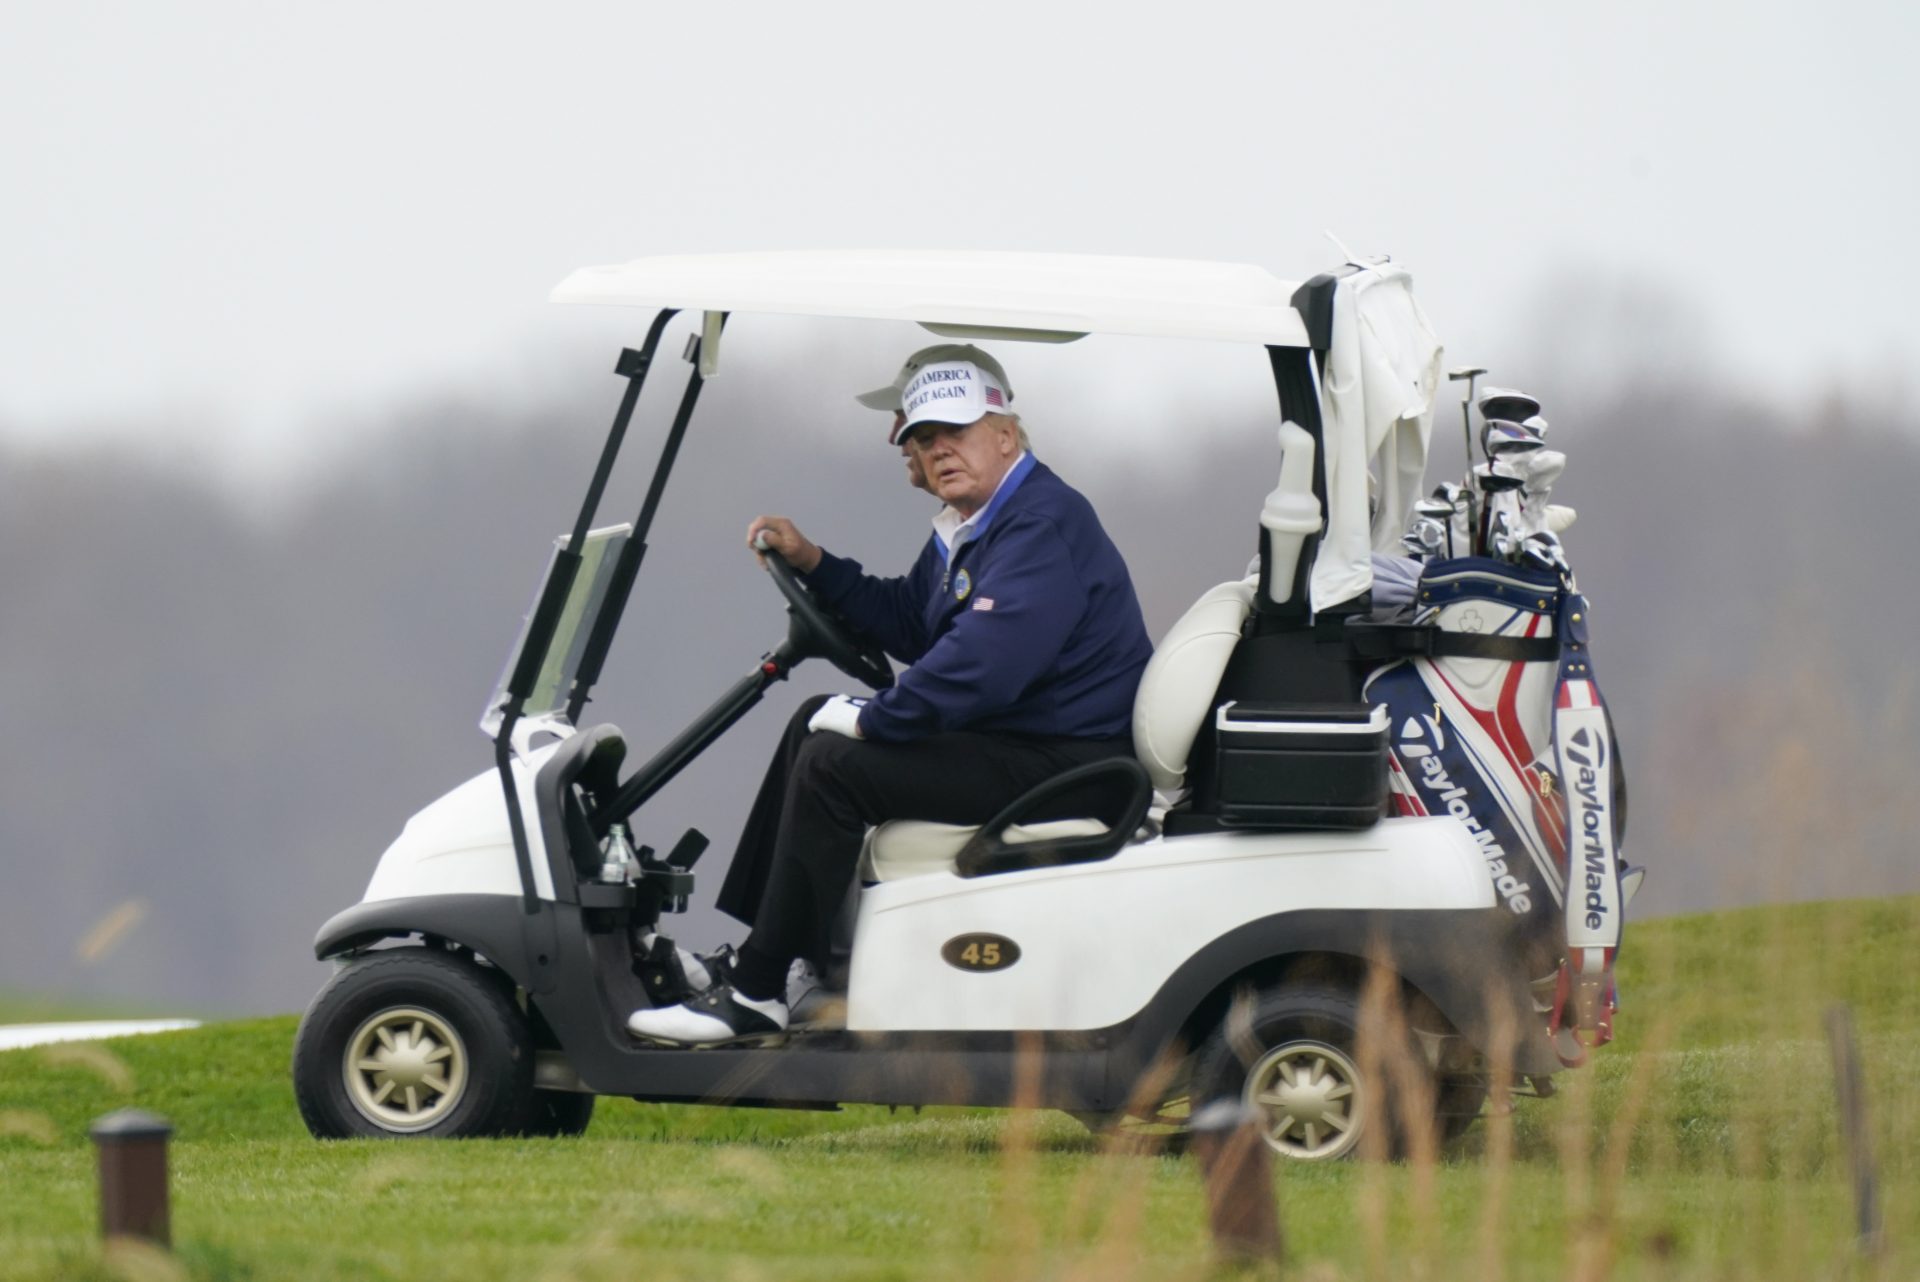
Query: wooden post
[[133, 1176], [1230, 1140], [1852, 1098]]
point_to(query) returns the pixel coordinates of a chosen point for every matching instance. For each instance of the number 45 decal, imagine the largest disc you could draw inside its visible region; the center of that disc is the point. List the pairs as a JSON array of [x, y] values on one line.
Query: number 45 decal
[[980, 952]]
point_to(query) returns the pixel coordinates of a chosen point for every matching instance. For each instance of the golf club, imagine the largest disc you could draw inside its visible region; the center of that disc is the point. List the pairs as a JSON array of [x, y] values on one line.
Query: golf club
[[1508, 403], [1430, 534], [1440, 512], [1470, 373], [1460, 522], [1499, 483], [1535, 555], [1500, 537], [1504, 438]]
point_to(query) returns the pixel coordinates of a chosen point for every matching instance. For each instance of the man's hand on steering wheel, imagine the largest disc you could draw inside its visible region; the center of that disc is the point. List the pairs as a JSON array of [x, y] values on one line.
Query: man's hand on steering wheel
[[783, 536], [815, 628]]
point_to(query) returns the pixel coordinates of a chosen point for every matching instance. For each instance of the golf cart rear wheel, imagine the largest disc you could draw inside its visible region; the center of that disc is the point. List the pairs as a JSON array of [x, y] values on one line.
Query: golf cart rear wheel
[[1294, 1057], [411, 1042]]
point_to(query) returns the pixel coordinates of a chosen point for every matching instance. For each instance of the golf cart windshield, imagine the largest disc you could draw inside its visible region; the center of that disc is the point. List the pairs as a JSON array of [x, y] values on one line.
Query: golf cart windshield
[[571, 637]]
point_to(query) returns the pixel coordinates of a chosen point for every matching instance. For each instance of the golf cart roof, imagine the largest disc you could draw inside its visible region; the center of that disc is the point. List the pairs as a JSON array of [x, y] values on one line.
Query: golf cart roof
[[1355, 362], [963, 294]]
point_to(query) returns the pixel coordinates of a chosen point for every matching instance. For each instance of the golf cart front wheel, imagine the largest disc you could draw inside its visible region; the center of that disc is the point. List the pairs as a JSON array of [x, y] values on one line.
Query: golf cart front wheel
[[411, 1042]]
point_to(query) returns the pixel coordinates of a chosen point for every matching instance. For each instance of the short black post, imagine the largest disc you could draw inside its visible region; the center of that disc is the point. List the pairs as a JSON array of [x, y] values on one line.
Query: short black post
[[1852, 1092], [1230, 1140], [133, 1175]]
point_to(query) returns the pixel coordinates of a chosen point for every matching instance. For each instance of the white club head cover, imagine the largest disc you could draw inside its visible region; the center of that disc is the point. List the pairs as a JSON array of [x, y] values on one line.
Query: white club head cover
[[840, 714], [1559, 517], [1542, 468]]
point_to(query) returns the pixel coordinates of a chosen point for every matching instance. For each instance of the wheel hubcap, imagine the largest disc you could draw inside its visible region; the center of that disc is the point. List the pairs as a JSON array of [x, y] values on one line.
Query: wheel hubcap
[[1312, 1099], [405, 1068]]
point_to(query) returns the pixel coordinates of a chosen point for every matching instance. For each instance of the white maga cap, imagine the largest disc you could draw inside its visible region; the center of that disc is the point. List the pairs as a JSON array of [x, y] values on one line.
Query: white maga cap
[[889, 397], [952, 392]]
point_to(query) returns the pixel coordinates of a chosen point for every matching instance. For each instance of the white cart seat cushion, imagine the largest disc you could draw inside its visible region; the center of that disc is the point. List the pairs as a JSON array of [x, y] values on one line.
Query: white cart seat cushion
[[915, 847], [1177, 689]]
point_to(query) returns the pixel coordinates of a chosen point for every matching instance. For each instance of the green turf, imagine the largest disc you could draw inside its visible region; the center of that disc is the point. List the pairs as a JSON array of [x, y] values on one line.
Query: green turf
[[1720, 1088]]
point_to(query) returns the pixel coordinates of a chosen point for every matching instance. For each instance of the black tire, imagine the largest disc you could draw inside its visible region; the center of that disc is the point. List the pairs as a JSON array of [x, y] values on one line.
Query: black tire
[[557, 1114], [421, 1020], [1303, 1045]]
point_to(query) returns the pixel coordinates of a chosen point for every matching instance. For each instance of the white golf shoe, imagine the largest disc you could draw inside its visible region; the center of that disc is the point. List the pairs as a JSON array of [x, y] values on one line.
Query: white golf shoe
[[719, 1016]]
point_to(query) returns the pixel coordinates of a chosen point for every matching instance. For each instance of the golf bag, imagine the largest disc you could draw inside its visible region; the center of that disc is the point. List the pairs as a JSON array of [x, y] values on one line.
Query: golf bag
[[1503, 727]]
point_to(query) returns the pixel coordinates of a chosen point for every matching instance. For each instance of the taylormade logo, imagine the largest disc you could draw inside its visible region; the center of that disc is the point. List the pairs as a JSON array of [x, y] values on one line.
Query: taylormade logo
[[1588, 755], [1453, 799]]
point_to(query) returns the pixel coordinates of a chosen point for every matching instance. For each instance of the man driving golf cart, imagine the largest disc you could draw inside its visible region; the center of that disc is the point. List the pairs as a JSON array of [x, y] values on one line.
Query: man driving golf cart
[[1026, 644], [1336, 786]]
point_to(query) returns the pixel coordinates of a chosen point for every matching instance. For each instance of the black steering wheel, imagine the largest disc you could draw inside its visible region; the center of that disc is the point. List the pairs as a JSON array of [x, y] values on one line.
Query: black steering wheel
[[815, 628]]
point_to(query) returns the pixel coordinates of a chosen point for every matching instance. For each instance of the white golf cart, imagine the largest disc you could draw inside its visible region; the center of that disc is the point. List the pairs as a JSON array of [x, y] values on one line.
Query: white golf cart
[[1248, 861]]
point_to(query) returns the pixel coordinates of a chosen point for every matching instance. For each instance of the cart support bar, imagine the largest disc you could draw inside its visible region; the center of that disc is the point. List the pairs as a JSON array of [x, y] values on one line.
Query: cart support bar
[[691, 742], [633, 367]]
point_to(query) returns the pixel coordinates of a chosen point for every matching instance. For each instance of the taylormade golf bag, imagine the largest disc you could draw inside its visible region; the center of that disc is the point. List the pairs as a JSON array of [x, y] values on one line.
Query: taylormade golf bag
[[1504, 728]]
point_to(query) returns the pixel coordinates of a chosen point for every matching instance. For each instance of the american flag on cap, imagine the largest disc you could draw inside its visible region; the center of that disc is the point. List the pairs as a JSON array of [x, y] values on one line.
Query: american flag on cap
[[993, 396]]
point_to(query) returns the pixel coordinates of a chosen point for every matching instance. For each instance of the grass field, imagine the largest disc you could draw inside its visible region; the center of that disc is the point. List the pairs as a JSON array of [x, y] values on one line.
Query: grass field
[[1701, 1145]]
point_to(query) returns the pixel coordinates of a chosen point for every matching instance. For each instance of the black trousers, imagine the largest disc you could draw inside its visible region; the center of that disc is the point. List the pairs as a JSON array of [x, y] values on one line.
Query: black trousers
[[802, 841]]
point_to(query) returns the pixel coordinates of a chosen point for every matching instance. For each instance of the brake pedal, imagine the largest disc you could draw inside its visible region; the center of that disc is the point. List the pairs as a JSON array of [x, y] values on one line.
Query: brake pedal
[[661, 973]]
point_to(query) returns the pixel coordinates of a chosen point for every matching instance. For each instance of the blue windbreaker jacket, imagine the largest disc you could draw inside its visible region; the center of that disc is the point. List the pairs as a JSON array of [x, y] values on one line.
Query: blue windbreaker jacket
[[1033, 628]]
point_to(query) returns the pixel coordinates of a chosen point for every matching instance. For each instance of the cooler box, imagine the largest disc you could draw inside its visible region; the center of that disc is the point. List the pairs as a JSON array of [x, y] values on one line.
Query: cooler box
[[1302, 765]]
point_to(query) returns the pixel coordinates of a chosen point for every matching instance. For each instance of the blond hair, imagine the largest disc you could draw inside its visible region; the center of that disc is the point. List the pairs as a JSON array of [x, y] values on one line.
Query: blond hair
[[1019, 429]]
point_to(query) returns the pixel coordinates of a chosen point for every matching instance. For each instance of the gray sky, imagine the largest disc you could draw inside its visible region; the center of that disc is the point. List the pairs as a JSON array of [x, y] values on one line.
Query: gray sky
[[243, 228]]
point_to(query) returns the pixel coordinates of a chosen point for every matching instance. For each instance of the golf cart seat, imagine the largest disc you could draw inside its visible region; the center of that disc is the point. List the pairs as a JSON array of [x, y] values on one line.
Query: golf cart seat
[[1175, 697]]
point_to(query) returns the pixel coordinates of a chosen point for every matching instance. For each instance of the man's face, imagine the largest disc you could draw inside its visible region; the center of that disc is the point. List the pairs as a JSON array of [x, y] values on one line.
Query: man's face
[[964, 464], [916, 475]]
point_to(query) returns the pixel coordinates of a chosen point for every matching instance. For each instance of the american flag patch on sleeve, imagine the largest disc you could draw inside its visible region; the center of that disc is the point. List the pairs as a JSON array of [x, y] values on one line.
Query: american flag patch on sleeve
[[983, 603]]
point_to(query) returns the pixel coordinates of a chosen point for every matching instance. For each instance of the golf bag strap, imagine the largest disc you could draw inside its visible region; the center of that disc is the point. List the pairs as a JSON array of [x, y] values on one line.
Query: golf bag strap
[[1369, 639], [1470, 645], [1583, 752]]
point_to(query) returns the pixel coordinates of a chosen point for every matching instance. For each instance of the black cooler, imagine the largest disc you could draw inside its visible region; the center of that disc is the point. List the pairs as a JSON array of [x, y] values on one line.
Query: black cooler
[[1301, 765]]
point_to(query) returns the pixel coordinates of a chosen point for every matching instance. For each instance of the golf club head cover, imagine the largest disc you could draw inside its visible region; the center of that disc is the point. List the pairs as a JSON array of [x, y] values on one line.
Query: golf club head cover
[[840, 714]]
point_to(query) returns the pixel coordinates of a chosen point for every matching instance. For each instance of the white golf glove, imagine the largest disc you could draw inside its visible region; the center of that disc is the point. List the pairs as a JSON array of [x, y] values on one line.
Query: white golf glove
[[840, 714]]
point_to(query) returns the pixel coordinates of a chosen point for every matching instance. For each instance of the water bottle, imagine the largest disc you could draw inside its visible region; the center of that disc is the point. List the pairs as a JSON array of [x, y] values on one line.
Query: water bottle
[[619, 854]]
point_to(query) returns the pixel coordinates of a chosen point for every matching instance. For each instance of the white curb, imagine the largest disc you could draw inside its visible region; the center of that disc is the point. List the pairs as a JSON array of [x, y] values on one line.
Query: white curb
[[15, 1036]]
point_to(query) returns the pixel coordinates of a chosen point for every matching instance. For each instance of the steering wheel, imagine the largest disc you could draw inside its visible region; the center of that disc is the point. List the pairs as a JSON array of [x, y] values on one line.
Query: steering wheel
[[815, 628]]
